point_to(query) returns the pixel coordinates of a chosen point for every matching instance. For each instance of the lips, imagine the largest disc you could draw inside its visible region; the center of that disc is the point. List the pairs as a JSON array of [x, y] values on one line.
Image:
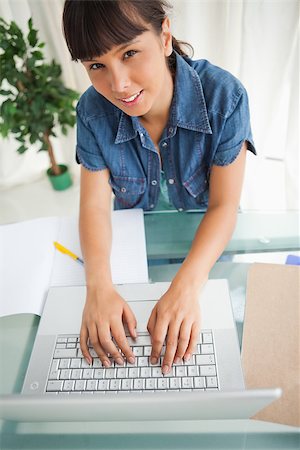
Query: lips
[[131, 100]]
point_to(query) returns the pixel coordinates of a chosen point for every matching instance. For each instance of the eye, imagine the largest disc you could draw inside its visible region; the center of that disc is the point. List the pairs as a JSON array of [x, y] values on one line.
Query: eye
[[96, 66], [129, 54]]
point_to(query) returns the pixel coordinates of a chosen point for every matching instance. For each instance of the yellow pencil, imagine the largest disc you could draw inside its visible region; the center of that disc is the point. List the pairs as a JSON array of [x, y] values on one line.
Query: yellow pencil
[[64, 250]]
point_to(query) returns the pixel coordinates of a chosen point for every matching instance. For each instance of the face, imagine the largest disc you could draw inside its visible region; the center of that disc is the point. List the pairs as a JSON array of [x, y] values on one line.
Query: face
[[135, 76]]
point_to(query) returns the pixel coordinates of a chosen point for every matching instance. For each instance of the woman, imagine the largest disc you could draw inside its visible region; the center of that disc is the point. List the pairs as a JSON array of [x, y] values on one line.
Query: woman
[[154, 128]]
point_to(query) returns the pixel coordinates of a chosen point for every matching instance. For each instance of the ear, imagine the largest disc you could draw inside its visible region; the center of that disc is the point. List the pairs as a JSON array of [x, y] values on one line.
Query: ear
[[166, 36]]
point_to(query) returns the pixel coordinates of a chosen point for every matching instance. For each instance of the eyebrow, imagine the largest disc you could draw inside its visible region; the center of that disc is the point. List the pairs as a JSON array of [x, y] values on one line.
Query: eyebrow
[[119, 49]]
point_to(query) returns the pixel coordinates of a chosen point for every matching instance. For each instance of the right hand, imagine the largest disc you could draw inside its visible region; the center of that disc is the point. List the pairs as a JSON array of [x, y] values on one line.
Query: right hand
[[103, 316]]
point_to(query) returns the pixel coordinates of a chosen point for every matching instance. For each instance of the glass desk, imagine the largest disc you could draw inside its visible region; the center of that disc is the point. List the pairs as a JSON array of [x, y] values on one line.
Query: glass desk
[[168, 235]]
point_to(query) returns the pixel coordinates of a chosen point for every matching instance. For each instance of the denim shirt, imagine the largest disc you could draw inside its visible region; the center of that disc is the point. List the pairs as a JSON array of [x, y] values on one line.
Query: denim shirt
[[208, 123]]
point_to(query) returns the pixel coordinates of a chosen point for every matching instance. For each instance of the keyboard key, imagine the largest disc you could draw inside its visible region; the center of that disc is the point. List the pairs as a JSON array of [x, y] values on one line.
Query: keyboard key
[[53, 386], [211, 382], [143, 361], [84, 364], [115, 385], [156, 372], [207, 338], [180, 371], [110, 373], [126, 384], [102, 385], [138, 384], [187, 383], [76, 374], [175, 383], [133, 372], [61, 346], [64, 363], [199, 382], [207, 348], [202, 360], [122, 372], [75, 363], [79, 385], [98, 373], [71, 345], [151, 383], [147, 351], [87, 373], [162, 383], [68, 385], [65, 353], [65, 374], [193, 371], [54, 375], [146, 372], [137, 351], [65, 340], [91, 385], [206, 371], [97, 363], [72, 339]]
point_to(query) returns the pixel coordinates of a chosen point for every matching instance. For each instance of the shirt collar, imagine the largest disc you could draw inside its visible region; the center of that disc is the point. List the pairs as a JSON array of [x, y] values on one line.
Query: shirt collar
[[188, 108]]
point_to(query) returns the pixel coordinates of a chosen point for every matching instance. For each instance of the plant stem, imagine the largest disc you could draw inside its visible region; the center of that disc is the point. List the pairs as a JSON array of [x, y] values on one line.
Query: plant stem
[[54, 167]]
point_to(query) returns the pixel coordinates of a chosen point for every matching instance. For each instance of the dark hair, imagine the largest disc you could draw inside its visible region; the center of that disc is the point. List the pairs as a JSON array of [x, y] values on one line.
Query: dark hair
[[93, 27]]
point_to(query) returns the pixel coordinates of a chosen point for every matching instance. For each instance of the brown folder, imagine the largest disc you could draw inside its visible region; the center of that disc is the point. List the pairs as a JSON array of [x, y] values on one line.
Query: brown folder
[[271, 342]]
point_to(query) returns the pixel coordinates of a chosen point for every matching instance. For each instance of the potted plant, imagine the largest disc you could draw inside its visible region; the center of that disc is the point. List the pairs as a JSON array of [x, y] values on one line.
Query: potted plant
[[35, 99]]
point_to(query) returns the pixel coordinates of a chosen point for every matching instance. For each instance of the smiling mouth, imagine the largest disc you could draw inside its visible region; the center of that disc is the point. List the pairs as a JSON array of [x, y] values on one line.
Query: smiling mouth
[[131, 99]]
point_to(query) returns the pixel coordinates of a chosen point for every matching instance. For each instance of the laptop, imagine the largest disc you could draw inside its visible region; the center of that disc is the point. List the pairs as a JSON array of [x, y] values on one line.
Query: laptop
[[60, 386]]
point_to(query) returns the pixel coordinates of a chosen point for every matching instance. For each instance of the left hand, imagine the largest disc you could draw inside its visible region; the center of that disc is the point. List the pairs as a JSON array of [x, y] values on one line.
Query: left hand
[[176, 320]]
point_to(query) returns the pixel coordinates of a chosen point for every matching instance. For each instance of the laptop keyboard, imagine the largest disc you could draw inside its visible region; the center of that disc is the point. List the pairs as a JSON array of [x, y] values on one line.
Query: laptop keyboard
[[71, 374]]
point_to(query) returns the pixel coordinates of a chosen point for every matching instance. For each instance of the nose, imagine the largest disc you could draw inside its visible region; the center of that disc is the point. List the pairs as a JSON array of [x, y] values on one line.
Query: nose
[[119, 79]]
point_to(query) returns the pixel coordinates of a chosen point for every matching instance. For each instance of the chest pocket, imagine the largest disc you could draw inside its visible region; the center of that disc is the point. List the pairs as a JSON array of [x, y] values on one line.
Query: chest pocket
[[128, 190], [197, 184]]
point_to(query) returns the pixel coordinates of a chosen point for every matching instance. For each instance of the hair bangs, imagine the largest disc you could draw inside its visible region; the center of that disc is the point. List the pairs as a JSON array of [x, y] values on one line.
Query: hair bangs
[[92, 28]]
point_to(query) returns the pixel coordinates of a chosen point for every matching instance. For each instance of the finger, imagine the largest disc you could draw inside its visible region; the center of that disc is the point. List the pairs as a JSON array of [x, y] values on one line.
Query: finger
[[183, 340], [130, 320], [194, 339], [171, 348], [109, 346], [83, 344], [94, 340], [121, 340], [152, 321], [158, 337]]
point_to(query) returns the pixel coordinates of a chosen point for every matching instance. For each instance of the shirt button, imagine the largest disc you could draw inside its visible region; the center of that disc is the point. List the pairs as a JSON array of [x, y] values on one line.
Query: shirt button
[[180, 209], [171, 181], [142, 135], [123, 189], [164, 144], [171, 129], [154, 182], [151, 206]]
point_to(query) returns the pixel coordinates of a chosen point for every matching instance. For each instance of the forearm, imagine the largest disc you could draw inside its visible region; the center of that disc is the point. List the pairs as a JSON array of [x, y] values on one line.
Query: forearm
[[95, 238], [210, 239]]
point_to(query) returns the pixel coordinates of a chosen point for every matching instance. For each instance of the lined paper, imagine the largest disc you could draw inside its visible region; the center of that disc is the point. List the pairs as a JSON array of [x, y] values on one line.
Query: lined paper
[[30, 264]]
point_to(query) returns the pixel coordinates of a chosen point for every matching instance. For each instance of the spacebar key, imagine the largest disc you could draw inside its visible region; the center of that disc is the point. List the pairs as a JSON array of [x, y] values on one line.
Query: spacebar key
[[65, 353]]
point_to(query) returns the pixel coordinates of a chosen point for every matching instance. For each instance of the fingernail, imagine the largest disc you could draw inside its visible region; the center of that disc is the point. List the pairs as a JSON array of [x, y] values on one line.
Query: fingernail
[[88, 360], [165, 369], [119, 361], [106, 364], [176, 360], [153, 360], [131, 360], [187, 357]]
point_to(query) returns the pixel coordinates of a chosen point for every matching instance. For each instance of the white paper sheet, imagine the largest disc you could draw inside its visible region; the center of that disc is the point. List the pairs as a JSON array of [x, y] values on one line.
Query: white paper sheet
[[128, 253], [29, 262], [26, 259]]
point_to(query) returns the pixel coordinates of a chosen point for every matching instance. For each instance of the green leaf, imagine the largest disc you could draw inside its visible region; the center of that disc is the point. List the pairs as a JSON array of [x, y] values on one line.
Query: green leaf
[[22, 149]]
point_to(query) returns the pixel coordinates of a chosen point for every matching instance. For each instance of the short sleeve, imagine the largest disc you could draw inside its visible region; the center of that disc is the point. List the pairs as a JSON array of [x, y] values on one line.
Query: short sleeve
[[236, 131], [88, 152]]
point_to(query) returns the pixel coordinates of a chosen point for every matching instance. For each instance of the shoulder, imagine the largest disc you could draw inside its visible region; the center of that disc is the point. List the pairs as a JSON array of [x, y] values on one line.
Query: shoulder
[[222, 90], [93, 105]]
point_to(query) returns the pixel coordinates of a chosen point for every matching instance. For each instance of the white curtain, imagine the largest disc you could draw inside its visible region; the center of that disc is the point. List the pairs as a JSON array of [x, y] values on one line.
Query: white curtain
[[256, 40]]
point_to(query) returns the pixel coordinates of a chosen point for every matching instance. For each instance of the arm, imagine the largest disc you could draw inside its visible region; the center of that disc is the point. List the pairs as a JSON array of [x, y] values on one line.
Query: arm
[[177, 316], [104, 308]]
